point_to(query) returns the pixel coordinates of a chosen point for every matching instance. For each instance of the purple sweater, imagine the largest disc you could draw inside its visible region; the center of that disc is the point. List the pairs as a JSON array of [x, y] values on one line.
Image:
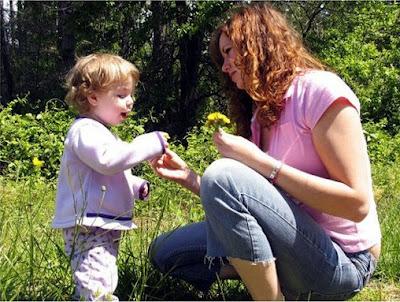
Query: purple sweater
[[95, 184]]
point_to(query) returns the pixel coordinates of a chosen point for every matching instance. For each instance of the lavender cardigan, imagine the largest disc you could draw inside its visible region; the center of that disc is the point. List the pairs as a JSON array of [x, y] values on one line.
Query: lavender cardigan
[[95, 184]]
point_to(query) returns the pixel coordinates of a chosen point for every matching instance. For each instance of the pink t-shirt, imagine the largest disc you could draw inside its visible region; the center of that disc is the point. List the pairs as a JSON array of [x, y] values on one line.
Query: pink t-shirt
[[290, 140]]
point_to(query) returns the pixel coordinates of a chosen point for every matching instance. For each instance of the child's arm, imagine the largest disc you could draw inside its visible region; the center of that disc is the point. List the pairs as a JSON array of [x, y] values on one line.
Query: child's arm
[[100, 150], [141, 187]]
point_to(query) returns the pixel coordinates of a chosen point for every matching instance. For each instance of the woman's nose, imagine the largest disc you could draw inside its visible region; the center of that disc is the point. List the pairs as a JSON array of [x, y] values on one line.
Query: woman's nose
[[225, 66]]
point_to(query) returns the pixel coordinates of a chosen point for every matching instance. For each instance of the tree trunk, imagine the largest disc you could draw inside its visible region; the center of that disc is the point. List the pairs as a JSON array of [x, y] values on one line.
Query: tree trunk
[[7, 93], [126, 25], [66, 38], [189, 59]]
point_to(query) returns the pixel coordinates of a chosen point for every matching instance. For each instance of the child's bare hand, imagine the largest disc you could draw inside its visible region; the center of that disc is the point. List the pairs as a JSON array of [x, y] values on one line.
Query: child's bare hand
[[165, 135]]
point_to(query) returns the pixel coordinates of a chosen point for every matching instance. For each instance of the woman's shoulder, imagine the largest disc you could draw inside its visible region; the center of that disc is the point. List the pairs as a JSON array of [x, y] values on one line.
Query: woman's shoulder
[[316, 90], [320, 78], [324, 84]]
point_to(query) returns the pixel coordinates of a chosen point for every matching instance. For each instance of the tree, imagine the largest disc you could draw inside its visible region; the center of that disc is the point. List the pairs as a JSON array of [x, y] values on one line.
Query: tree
[[168, 41], [365, 51], [6, 59], [66, 38]]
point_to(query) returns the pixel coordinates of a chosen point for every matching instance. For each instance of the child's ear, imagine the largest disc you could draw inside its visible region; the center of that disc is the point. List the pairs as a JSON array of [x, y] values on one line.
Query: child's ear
[[92, 98]]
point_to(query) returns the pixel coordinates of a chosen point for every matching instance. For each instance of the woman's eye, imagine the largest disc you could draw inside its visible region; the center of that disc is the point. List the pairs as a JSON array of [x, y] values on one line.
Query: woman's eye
[[121, 96]]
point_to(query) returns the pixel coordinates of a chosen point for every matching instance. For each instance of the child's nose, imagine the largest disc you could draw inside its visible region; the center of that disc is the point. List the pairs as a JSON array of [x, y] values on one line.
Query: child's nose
[[129, 102]]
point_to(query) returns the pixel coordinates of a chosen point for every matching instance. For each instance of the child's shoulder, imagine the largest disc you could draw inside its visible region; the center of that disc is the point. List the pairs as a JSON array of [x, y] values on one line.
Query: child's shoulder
[[86, 124], [85, 121]]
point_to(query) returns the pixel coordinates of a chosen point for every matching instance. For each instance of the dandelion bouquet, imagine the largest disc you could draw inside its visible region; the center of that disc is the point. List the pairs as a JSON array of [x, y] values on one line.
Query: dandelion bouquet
[[216, 120]]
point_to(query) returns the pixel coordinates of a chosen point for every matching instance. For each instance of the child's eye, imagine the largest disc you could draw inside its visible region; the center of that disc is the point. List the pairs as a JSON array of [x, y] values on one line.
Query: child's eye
[[121, 96]]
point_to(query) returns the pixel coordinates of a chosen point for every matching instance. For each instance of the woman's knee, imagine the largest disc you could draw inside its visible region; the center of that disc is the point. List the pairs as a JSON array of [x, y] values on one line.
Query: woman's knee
[[220, 173], [219, 179]]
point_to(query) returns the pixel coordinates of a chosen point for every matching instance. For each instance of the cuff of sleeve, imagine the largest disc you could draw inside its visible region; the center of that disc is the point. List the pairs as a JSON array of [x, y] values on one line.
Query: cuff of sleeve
[[162, 141], [142, 194]]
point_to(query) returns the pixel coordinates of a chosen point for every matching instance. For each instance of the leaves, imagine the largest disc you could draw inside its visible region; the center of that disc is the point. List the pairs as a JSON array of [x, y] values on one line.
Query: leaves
[[168, 41]]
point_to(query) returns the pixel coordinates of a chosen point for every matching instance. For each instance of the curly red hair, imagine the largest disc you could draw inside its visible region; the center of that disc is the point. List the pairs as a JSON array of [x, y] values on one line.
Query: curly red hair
[[270, 55]]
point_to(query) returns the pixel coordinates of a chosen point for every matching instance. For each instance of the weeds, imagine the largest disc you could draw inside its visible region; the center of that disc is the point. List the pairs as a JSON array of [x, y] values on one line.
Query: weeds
[[33, 264]]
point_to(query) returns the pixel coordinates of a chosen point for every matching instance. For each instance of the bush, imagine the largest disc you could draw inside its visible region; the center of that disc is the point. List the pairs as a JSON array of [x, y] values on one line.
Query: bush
[[383, 148], [26, 136], [23, 137]]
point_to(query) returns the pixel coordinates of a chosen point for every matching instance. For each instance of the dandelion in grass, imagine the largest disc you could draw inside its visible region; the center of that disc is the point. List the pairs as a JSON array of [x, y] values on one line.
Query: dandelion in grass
[[217, 120], [37, 163]]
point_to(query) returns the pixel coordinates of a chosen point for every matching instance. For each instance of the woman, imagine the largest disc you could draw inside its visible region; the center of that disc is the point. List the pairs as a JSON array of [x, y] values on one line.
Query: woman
[[289, 207]]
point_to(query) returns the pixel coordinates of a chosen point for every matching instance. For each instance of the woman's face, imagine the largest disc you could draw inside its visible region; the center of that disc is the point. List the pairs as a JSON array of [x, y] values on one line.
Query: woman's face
[[229, 53]]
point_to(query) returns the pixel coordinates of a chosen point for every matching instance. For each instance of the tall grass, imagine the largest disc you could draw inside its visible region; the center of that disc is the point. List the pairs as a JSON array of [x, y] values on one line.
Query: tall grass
[[387, 189], [32, 262], [33, 265]]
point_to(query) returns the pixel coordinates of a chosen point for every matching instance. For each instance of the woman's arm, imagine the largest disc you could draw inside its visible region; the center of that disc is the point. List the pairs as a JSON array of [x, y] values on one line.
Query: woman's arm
[[339, 141], [172, 167]]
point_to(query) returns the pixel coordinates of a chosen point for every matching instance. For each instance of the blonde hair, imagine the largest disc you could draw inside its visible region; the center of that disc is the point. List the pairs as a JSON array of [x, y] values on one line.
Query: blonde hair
[[270, 55], [96, 72]]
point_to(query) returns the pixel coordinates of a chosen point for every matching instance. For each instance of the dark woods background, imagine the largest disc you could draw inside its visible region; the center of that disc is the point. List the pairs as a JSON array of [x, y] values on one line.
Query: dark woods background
[[168, 41]]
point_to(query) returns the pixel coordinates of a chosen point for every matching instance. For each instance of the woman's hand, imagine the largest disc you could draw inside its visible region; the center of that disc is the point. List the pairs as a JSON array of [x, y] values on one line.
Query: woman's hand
[[237, 148], [172, 167]]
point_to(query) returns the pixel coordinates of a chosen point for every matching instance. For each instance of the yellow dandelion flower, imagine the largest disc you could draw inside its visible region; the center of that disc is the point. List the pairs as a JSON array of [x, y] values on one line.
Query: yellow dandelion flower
[[216, 120], [37, 163]]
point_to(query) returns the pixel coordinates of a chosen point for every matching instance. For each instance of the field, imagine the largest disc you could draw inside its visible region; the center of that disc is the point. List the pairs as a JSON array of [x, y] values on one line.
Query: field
[[33, 265]]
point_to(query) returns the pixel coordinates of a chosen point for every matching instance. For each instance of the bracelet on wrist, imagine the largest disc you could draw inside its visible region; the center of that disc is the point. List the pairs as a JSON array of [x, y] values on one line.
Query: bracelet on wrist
[[275, 171]]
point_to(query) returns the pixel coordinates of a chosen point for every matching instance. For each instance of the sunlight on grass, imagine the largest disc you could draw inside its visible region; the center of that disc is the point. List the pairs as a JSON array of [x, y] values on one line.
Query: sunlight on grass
[[33, 265], [379, 291], [387, 182]]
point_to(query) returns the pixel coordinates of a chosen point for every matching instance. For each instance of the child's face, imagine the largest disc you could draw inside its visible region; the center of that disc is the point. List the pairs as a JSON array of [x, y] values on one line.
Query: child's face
[[111, 107]]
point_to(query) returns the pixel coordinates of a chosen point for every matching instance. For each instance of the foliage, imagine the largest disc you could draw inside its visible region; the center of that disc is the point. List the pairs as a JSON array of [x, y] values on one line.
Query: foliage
[[383, 148], [24, 137], [365, 51], [168, 40], [387, 196], [33, 265]]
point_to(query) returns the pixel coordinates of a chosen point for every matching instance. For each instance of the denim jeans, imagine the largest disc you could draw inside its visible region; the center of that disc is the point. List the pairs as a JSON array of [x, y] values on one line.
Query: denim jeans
[[249, 218]]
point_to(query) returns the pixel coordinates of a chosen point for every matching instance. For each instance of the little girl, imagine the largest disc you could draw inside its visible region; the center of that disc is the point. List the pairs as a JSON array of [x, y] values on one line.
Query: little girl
[[96, 188]]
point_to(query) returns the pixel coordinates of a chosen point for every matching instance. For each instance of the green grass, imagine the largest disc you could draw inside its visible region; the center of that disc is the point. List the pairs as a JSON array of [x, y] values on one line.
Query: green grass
[[33, 265]]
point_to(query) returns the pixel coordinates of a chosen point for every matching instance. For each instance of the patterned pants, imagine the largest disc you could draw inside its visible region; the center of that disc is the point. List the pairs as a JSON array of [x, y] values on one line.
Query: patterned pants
[[93, 253]]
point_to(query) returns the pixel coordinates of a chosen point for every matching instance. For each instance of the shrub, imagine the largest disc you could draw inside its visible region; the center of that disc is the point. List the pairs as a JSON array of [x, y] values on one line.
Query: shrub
[[382, 148], [25, 136]]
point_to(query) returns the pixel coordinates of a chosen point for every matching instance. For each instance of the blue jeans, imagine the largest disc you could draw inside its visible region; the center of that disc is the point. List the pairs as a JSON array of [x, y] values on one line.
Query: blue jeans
[[249, 218]]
